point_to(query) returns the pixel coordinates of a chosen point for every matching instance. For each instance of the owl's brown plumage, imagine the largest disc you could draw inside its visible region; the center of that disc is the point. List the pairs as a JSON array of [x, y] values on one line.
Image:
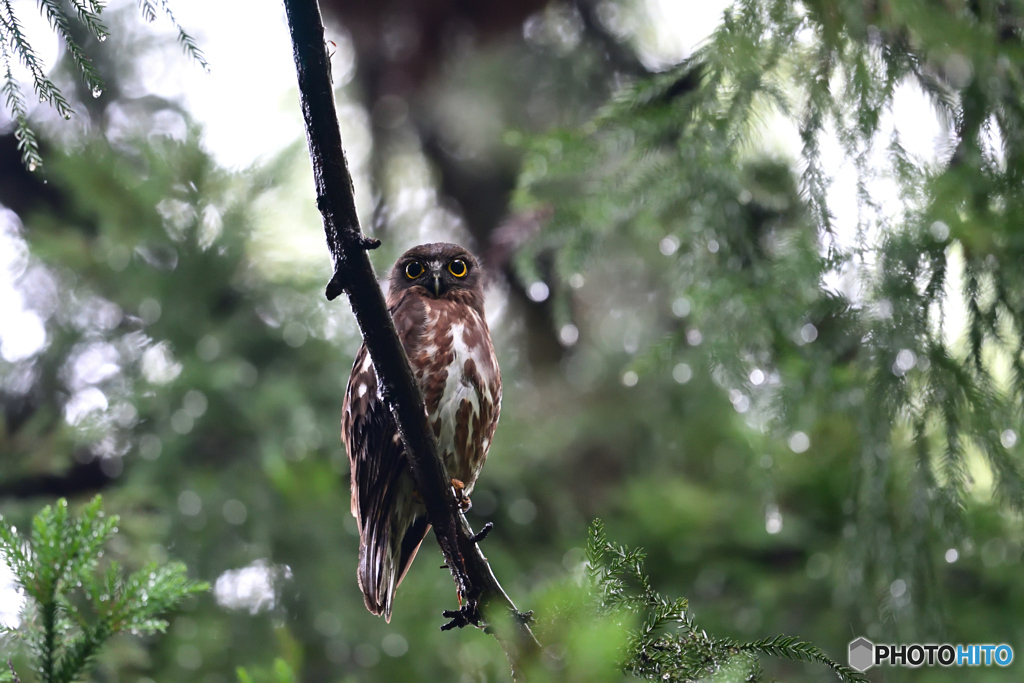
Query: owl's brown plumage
[[436, 299]]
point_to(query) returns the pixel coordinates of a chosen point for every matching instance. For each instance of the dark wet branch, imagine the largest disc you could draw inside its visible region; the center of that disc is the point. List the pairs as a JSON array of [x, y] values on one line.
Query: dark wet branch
[[83, 478], [353, 274]]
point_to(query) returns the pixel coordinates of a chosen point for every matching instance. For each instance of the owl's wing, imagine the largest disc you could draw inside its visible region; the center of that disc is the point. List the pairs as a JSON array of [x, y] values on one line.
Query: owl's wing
[[368, 429], [375, 455], [369, 433], [390, 531]]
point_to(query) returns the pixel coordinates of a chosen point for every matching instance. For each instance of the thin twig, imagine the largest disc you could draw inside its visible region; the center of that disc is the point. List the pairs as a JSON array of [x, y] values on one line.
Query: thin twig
[[482, 534], [353, 274], [14, 673]]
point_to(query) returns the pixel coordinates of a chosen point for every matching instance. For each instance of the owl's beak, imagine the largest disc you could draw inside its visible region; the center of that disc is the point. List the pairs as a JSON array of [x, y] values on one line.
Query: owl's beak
[[437, 285]]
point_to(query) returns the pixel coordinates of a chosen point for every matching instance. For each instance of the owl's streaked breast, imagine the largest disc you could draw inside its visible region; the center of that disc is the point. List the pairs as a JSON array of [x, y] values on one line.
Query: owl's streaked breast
[[461, 383]]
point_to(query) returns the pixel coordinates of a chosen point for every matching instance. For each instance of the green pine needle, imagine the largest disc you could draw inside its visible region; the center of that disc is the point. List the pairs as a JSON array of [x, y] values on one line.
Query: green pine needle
[[14, 46], [74, 605], [668, 645]]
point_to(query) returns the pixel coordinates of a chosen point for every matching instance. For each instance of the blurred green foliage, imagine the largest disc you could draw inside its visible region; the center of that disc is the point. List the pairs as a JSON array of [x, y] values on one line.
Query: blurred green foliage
[[279, 673], [795, 455]]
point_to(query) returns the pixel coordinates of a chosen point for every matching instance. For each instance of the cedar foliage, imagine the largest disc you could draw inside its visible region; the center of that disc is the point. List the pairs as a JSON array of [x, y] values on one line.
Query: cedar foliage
[[14, 47], [751, 239], [669, 645], [74, 605]]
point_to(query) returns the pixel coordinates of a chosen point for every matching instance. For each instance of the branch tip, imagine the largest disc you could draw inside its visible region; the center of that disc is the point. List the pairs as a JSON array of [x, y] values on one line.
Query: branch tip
[[335, 287], [482, 534]]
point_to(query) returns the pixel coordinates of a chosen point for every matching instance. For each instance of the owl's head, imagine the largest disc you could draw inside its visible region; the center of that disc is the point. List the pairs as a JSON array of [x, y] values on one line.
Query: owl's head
[[441, 269]]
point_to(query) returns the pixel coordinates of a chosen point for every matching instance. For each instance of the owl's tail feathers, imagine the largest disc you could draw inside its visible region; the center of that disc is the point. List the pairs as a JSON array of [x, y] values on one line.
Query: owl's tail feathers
[[385, 554]]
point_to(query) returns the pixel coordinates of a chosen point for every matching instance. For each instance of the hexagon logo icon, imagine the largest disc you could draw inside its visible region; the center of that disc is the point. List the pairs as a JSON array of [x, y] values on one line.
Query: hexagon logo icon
[[862, 654]]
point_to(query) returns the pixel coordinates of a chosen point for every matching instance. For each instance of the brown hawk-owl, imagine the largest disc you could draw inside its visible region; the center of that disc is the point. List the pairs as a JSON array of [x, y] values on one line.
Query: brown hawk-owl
[[437, 301]]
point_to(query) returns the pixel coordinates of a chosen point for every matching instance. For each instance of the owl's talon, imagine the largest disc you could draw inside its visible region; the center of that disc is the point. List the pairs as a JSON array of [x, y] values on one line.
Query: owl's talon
[[524, 617], [464, 502], [464, 616]]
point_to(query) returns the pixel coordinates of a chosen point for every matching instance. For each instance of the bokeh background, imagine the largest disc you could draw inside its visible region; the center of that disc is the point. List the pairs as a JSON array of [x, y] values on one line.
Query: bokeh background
[[690, 343]]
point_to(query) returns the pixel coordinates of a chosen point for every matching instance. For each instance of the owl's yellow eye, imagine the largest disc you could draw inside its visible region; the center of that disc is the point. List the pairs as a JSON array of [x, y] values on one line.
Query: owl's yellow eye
[[458, 268], [413, 269]]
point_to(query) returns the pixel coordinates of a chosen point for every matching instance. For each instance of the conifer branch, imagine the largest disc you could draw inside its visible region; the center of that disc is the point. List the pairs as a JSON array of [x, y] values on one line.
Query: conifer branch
[[15, 46], [668, 645], [15, 102], [89, 14], [59, 23], [842, 80], [188, 43], [72, 610], [15, 37], [791, 647], [149, 10]]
